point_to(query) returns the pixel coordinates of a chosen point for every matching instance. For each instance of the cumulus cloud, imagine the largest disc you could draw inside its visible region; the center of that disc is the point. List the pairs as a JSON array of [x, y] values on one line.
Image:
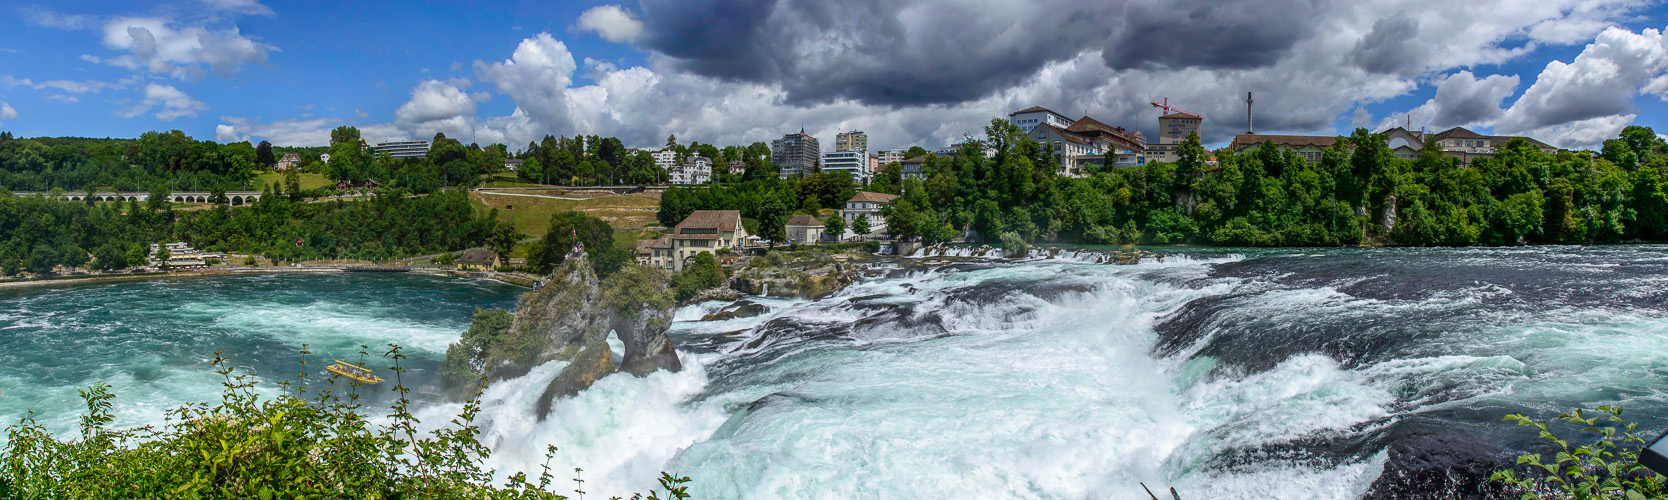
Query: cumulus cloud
[[7, 112], [925, 72], [164, 46], [612, 23], [434, 101], [174, 103], [1599, 84], [297, 133]]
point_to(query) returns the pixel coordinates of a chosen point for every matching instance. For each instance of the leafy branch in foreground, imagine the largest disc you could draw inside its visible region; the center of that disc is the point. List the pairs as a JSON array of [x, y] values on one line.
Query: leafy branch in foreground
[[1606, 469], [293, 445]]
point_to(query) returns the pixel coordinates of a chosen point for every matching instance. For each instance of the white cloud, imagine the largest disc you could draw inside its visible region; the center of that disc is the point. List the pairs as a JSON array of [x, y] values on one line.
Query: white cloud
[[1587, 133], [165, 46], [80, 87], [7, 112], [174, 103], [1600, 84], [62, 98], [42, 17], [246, 7], [360, 114], [299, 133], [612, 23], [433, 101], [536, 76], [225, 134]]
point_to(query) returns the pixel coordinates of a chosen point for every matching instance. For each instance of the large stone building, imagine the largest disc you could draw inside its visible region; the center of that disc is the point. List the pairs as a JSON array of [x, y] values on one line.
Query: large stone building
[[1087, 141], [1173, 128], [795, 154], [1458, 142], [705, 231], [404, 149], [855, 140]]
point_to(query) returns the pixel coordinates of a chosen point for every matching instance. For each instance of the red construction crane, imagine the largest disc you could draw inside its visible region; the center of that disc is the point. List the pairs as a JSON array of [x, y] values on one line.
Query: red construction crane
[[1171, 109]]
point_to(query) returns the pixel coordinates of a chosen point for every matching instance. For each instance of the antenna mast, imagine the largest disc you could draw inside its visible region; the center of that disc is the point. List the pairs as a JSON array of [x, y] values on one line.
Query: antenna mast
[[1248, 128]]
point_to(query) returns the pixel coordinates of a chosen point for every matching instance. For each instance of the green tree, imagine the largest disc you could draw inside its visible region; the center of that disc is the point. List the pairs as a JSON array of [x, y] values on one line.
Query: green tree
[[703, 272], [162, 256], [860, 225], [264, 157], [109, 258], [42, 259], [835, 225]]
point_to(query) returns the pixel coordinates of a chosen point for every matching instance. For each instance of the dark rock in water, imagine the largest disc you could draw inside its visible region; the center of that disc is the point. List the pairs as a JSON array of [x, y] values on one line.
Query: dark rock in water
[[719, 316], [593, 362], [748, 309], [1446, 464], [571, 316]]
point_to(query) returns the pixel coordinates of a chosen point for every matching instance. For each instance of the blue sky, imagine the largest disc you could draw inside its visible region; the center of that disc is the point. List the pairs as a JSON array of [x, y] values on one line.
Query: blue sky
[[914, 72]]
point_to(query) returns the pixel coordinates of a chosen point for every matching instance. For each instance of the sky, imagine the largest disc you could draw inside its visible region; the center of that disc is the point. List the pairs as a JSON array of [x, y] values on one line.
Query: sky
[[908, 72]]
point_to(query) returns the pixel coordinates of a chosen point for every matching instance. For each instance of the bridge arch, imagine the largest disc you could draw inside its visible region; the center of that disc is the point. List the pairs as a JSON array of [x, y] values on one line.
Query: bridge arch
[[237, 200]]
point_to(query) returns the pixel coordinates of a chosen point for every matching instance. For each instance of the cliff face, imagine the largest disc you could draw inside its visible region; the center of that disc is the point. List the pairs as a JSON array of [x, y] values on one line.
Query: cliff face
[[569, 320]]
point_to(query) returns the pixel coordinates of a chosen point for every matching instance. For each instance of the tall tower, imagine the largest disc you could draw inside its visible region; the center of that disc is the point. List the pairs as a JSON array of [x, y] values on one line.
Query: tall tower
[[1248, 128]]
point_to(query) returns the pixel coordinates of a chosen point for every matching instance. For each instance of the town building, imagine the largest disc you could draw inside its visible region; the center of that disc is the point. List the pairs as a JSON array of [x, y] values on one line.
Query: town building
[[874, 165], [512, 164], [1458, 142], [696, 170], [661, 254], [182, 256], [705, 231], [404, 149], [868, 205], [1173, 128], [795, 154], [289, 161], [665, 158], [478, 259], [914, 168], [737, 167], [805, 230], [855, 140], [890, 156], [854, 162], [1035, 116], [1067, 147], [325, 158]]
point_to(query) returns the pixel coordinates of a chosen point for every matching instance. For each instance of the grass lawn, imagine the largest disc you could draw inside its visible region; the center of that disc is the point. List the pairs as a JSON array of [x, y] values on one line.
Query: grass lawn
[[308, 181], [531, 215], [506, 179]]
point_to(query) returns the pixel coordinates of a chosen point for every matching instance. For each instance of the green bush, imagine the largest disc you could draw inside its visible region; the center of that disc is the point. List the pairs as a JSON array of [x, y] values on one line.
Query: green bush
[[1608, 468], [1014, 247], [701, 274], [295, 445]]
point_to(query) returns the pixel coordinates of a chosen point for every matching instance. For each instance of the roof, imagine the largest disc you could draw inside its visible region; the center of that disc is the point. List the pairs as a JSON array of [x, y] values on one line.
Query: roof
[[1459, 132], [804, 220], [663, 242], [918, 159], [477, 256], [722, 220], [512, 161], [1033, 109], [1243, 141], [291, 156], [869, 197], [643, 246], [1182, 114], [1070, 136]]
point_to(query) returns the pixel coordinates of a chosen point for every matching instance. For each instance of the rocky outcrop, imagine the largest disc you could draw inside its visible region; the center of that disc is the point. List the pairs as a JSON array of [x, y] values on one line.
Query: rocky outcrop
[[804, 276], [743, 309], [569, 319]]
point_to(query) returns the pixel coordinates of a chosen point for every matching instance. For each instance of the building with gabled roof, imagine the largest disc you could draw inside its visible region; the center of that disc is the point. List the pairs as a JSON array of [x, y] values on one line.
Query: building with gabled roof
[[805, 229], [868, 205], [1034, 116], [705, 231]]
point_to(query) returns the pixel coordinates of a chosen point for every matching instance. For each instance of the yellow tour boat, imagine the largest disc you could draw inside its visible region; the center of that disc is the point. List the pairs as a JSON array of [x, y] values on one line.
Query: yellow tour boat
[[345, 369]]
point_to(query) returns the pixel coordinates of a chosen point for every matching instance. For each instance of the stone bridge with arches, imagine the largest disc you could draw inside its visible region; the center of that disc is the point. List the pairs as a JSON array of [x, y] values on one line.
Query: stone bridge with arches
[[234, 198]]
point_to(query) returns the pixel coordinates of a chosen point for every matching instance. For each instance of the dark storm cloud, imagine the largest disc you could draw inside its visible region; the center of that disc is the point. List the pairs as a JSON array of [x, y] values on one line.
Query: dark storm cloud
[[821, 51], [1208, 34], [1392, 47]]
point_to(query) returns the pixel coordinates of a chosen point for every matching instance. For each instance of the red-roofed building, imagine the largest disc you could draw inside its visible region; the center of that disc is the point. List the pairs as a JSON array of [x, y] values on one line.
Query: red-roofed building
[[705, 231]]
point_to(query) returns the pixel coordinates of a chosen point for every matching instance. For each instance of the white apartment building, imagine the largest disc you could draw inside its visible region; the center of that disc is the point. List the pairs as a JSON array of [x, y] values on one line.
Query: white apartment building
[[665, 158], [404, 149], [890, 156], [1032, 117], [854, 162], [698, 170]]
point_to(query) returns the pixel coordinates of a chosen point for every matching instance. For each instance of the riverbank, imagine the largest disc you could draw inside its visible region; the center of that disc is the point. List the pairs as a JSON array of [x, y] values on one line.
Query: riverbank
[[512, 279]]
